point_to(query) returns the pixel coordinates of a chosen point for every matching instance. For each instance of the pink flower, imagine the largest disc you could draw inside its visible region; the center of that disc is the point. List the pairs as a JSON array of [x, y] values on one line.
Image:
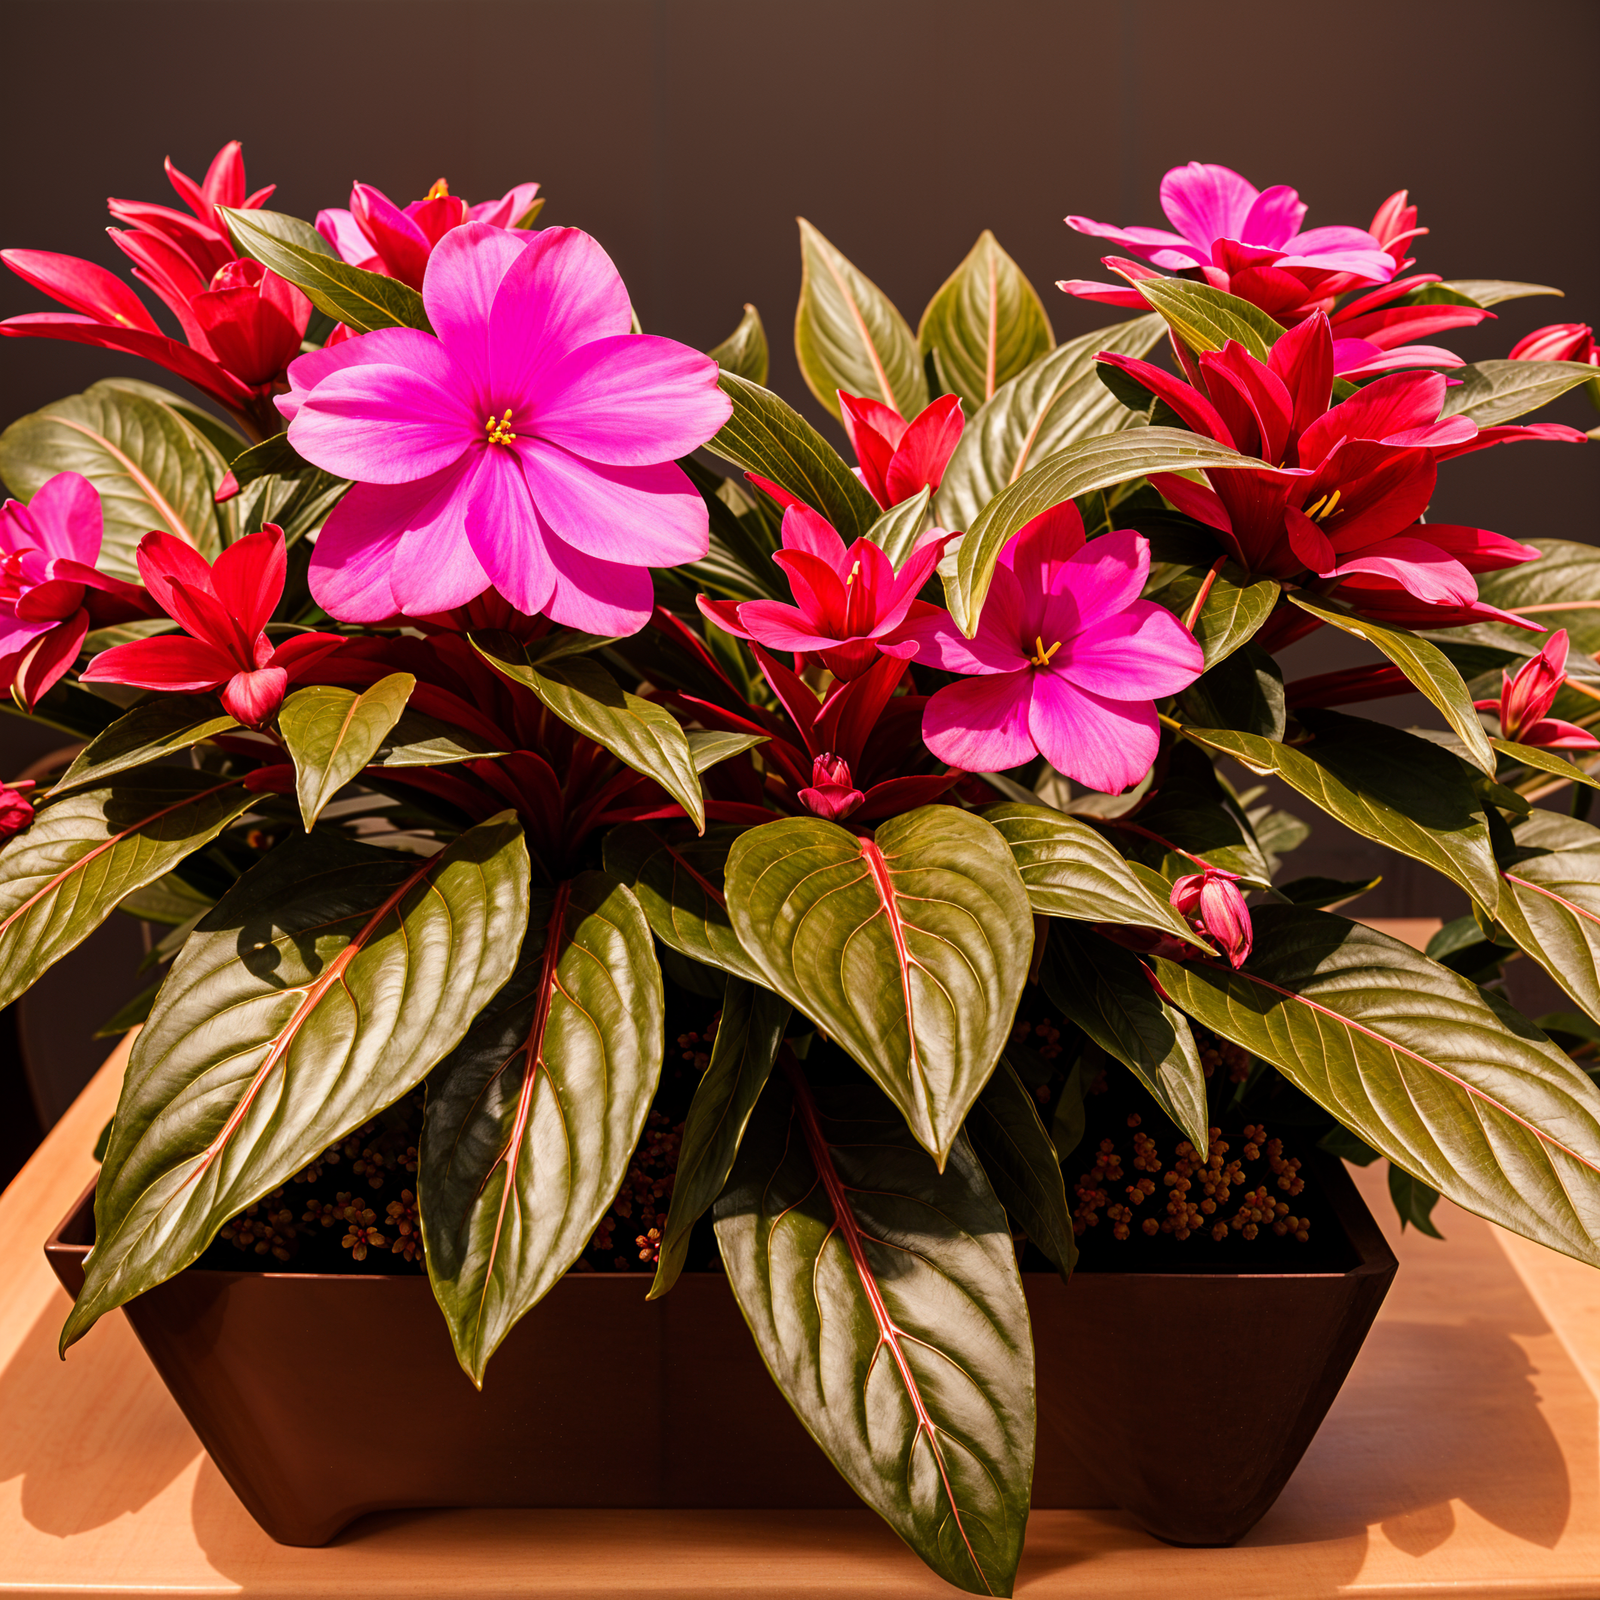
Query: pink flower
[[832, 794], [530, 447], [1245, 243], [847, 602], [50, 593], [377, 235], [242, 324], [1558, 341], [1215, 908], [1066, 663], [900, 459], [1342, 487], [225, 610], [1525, 700], [16, 810]]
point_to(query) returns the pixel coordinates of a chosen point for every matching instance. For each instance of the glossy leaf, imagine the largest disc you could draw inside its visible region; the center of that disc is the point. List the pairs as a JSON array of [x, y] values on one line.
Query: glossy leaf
[[1192, 812], [279, 486], [885, 1300], [1325, 894], [742, 1056], [848, 335], [909, 950], [417, 740], [708, 749], [325, 985], [1206, 319], [1386, 785], [63, 877], [1243, 691], [897, 530], [1107, 992], [150, 732], [638, 732], [152, 469], [1056, 402], [225, 440], [986, 322], [1559, 590], [744, 351], [1429, 669], [1492, 392], [680, 885], [1414, 1201], [1022, 1166], [1492, 291], [1551, 903], [1234, 609], [1462, 1093], [768, 437], [1074, 470], [332, 735], [1070, 871], [1551, 761], [295, 250], [533, 1118]]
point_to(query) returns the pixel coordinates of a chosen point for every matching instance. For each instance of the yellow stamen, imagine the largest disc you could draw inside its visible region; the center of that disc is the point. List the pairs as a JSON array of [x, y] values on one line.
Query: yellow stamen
[[499, 429], [1324, 507], [440, 191], [854, 573], [1041, 656]]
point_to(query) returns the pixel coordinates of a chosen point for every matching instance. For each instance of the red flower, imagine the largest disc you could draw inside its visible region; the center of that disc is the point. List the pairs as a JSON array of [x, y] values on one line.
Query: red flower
[[224, 609], [1525, 700], [900, 459], [1558, 341], [1214, 907], [832, 794], [16, 810], [243, 325]]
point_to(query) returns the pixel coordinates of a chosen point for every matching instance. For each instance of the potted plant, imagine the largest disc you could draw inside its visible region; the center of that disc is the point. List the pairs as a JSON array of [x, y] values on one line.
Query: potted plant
[[476, 740]]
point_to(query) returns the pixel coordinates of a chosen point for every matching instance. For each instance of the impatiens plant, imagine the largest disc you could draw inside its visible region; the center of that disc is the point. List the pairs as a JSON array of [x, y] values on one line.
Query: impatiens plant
[[471, 733]]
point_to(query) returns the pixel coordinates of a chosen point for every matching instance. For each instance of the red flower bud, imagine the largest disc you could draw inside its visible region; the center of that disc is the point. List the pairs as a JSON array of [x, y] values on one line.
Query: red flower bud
[[16, 810], [1214, 906], [832, 795]]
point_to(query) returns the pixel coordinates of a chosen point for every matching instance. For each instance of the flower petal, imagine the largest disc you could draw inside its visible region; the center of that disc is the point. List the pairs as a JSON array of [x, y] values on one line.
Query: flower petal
[[384, 424], [507, 535], [981, 724], [394, 347], [66, 517], [248, 578], [637, 516], [1205, 202], [1141, 653], [167, 662], [1106, 575], [464, 276], [1103, 743], [608, 598]]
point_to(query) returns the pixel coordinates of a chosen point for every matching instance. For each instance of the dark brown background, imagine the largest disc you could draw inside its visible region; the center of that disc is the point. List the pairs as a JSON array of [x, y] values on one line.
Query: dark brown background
[[687, 134]]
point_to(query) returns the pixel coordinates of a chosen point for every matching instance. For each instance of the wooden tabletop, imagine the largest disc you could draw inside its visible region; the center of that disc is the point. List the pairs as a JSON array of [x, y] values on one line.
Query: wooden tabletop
[[1461, 1459]]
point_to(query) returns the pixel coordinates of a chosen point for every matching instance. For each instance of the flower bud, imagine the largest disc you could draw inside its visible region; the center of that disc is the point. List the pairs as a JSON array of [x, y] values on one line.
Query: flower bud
[[1214, 906], [1527, 698], [16, 810], [832, 795]]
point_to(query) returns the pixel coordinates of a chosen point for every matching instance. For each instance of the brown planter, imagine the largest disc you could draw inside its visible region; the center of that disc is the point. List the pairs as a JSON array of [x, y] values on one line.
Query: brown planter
[[1185, 1398]]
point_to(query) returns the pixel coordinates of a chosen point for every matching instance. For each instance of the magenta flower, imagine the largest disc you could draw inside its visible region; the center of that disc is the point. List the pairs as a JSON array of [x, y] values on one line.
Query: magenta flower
[[832, 793], [225, 610], [16, 809], [1215, 909], [900, 459], [1526, 699], [1558, 341], [50, 593], [847, 602], [377, 235], [1067, 661], [529, 448]]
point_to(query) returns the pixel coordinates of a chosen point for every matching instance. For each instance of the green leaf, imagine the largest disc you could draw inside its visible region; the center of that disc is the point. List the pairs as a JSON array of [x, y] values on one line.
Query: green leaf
[[1559, 590], [1194, 813], [1056, 402], [911, 1366], [986, 322], [1324, 894], [279, 485], [1552, 761], [1425, 665], [1551, 906], [150, 732], [1492, 392], [744, 351], [1242, 691], [1414, 1200], [323, 987], [1206, 319], [1386, 785], [1492, 291], [1070, 871], [332, 735], [130, 1015], [533, 1118], [708, 748], [152, 469], [849, 336], [1235, 607], [746, 1046], [63, 877], [768, 437], [226, 441], [1465, 1095], [909, 950], [417, 740], [897, 530], [680, 885], [168, 901], [1022, 1166], [295, 250], [1107, 992], [639, 733], [1075, 470]]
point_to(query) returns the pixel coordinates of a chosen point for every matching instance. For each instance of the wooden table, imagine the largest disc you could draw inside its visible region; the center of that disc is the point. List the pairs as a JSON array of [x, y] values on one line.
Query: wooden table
[[1462, 1459]]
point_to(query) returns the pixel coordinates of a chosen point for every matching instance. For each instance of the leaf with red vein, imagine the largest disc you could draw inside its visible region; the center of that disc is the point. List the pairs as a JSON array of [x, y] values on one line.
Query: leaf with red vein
[[910, 949], [885, 1300], [1552, 908], [533, 1118], [1443, 1078], [322, 987]]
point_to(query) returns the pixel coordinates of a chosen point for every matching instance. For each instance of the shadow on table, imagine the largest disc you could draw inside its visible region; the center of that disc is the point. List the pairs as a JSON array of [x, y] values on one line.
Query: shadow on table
[[83, 1465]]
